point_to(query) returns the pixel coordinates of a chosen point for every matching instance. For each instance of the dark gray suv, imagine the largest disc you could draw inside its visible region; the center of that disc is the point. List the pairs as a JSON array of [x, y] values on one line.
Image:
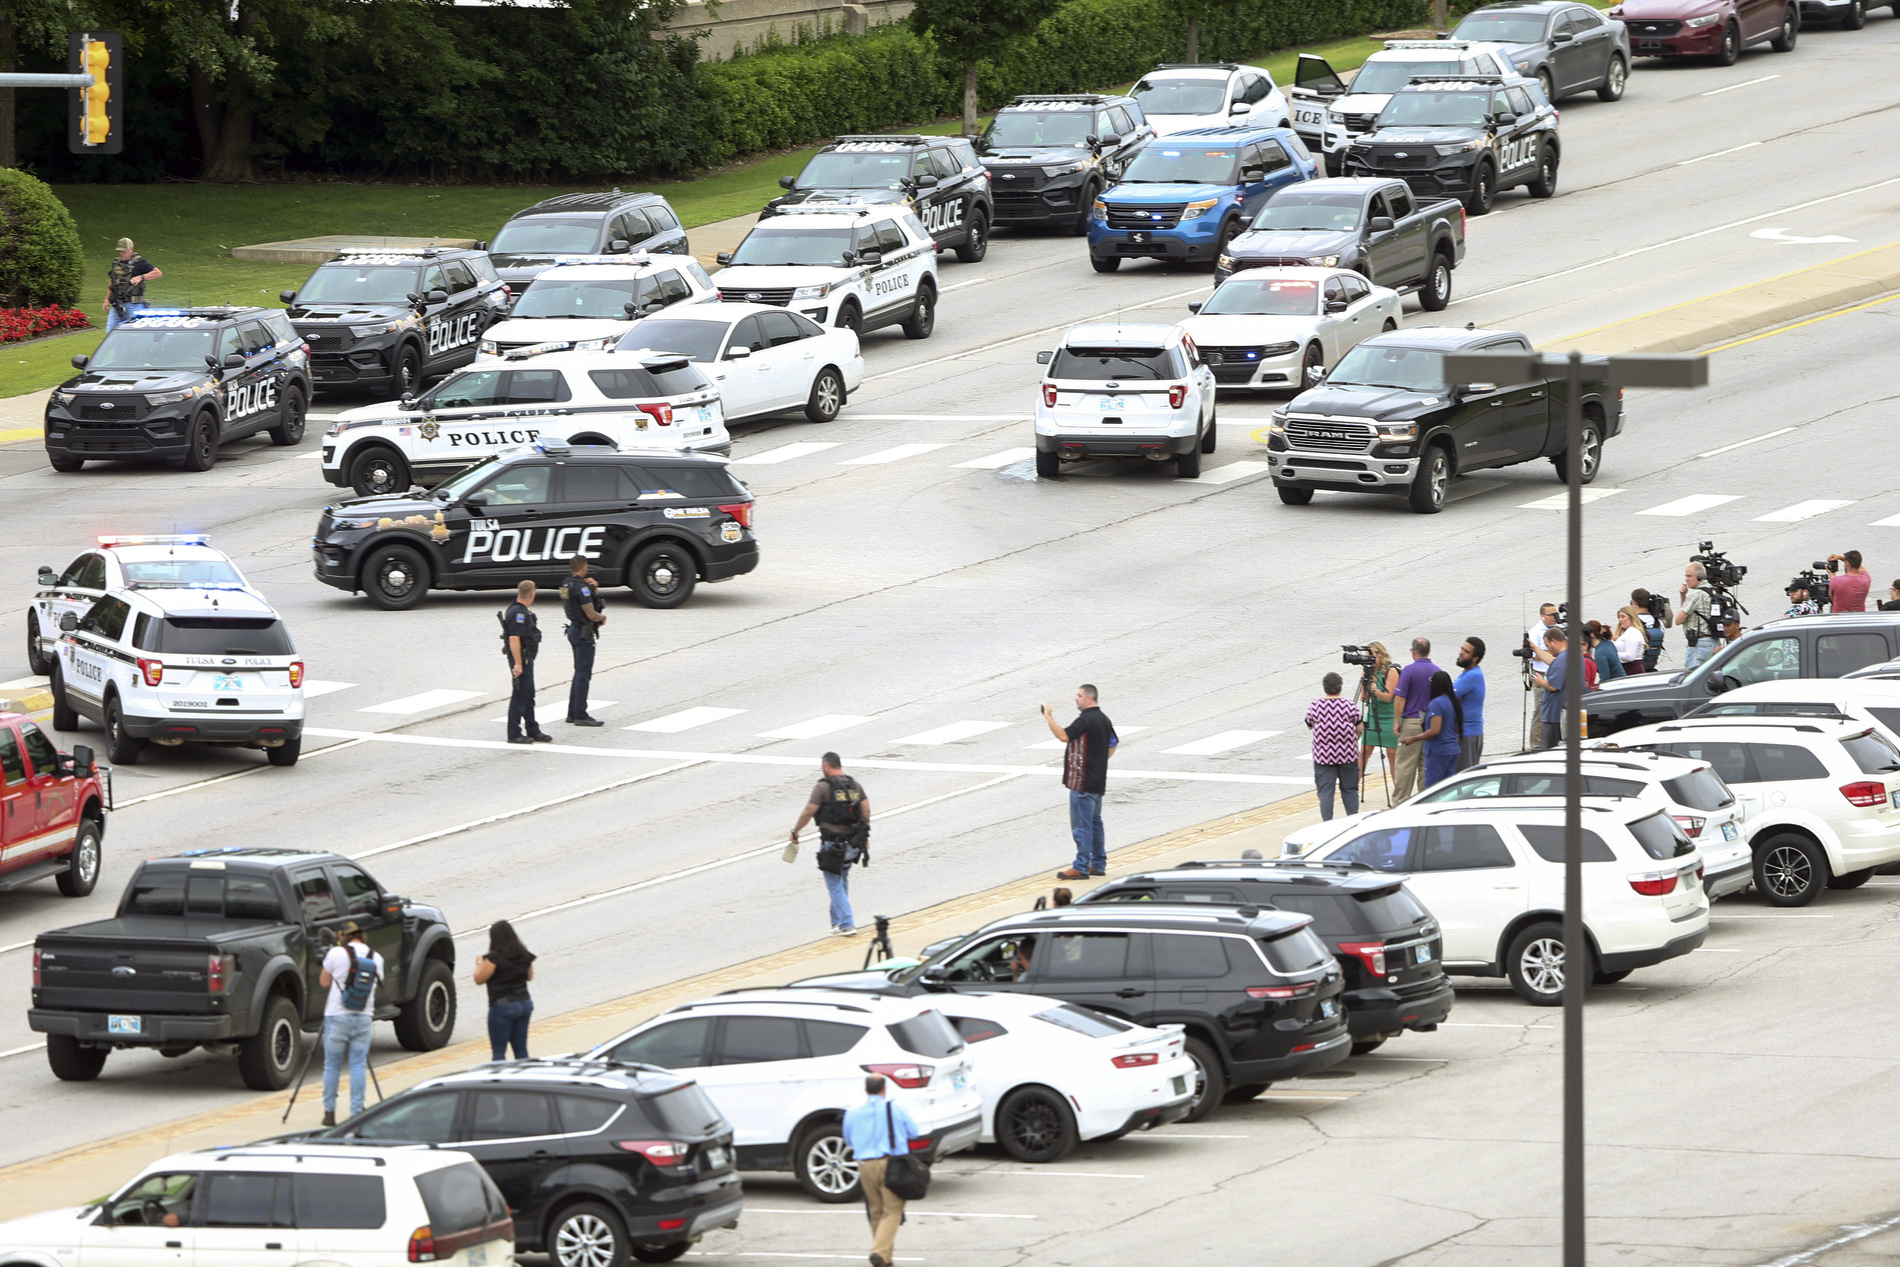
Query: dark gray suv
[[1565, 47]]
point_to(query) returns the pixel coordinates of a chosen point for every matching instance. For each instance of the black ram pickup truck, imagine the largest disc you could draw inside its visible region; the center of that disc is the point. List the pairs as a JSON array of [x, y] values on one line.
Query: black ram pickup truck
[[1383, 421], [223, 949]]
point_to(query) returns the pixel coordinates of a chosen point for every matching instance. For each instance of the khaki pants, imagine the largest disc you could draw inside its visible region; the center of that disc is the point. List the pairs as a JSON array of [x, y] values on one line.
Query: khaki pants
[[885, 1210], [1411, 757]]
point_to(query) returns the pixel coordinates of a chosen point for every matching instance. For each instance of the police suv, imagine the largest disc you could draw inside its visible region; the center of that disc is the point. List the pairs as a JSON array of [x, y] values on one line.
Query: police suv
[[556, 228], [1328, 115], [587, 303], [166, 561], [850, 266], [177, 383], [206, 662], [641, 398], [392, 318], [938, 177], [1049, 155], [655, 520], [1463, 136]]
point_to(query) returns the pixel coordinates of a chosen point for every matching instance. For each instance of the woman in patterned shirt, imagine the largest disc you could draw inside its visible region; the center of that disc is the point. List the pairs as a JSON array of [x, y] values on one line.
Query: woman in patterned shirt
[[1335, 724]]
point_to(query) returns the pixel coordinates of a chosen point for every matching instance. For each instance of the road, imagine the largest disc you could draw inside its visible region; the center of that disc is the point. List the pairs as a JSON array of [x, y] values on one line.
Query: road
[[912, 610]]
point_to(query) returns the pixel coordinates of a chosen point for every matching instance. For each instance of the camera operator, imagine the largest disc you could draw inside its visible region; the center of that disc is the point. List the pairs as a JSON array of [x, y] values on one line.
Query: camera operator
[[1694, 616], [1376, 687], [1557, 660], [1799, 603], [1546, 621], [1849, 590]]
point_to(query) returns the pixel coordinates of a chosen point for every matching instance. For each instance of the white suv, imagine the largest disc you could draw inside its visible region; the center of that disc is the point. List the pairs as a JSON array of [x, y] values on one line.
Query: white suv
[[1125, 392], [586, 304], [288, 1203], [168, 561], [841, 265], [784, 1065], [1823, 797], [1872, 700], [1493, 874], [1209, 95]]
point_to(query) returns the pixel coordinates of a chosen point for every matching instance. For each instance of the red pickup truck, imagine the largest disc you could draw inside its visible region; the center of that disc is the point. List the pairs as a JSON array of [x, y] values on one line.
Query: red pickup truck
[[52, 810]]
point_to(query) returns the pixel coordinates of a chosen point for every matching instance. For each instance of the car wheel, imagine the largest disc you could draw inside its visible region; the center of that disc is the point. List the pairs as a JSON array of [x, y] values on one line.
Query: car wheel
[[977, 244], [1856, 15], [1389, 326], [1610, 978], [1048, 465], [82, 871], [201, 447], [661, 1253], [285, 753], [1592, 450], [1852, 880], [72, 1063], [1730, 50], [289, 429], [1429, 485], [1545, 186], [1292, 495], [65, 716], [1536, 965], [267, 1060], [1312, 366], [588, 1234], [1437, 291], [408, 376], [1211, 437], [1034, 1125], [1790, 870], [1081, 226], [427, 1022], [1228, 232], [852, 319], [121, 748], [377, 470], [1187, 466], [1790, 31], [63, 464], [1210, 1080], [1367, 1046], [1545, 82], [395, 577], [1105, 265], [923, 319], [1483, 190], [1615, 79], [36, 661], [1242, 1094], [823, 1165], [827, 396], [662, 575]]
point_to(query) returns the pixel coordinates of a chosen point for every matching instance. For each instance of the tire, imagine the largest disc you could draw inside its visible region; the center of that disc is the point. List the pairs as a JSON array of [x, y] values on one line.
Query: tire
[[407, 380], [588, 1234], [63, 464], [1048, 465], [1311, 366], [267, 1060], [427, 1022], [1536, 965], [1210, 1080], [1610, 978], [377, 470], [1228, 232], [201, 447], [1730, 50], [1436, 292], [1187, 466], [1034, 1125], [1851, 880], [1545, 186], [65, 716], [852, 319], [36, 661], [83, 872], [1105, 265], [1784, 42], [977, 243], [395, 577], [1856, 15], [1484, 191], [121, 748], [1081, 226], [1549, 85], [1790, 870], [1292, 495], [290, 430], [1428, 486], [1592, 450], [661, 1253], [72, 1063], [662, 575], [923, 319], [823, 1166], [1616, 78], [1211, 438], [1389, 326], [286, 753], [1242, 1094], [827, 396], [1367, 1046]]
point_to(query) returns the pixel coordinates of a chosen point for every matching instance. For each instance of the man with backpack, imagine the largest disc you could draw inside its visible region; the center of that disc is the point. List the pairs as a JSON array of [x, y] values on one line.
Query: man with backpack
[[843, 814], [351, 971]]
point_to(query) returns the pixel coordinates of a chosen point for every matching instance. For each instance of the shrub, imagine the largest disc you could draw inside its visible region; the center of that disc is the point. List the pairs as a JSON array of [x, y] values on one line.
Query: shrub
[[30, 323], [40, 259]]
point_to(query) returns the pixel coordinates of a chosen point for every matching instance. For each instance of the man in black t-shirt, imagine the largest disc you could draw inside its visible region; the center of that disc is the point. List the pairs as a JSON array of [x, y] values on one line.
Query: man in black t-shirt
[[843, 814], [1090, 741], [125, 284]]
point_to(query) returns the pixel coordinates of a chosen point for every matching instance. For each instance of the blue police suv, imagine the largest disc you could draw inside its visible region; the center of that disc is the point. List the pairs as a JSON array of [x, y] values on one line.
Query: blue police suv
[[1186, 195]]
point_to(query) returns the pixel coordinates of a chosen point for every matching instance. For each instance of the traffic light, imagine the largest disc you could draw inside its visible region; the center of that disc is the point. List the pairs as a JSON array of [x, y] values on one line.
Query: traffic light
[[96, 123]]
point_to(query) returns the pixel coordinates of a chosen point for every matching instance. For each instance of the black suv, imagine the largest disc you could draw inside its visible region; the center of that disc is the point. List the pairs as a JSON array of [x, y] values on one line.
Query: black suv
[[583, 224], [1050, 154], [1386, 942], [393, 318], [596, 1159], [177, 383], [938, 177], [1462, 136], [1792, 647]]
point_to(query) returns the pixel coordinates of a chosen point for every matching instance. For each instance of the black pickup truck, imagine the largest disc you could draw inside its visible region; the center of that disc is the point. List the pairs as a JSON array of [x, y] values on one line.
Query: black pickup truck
[[1383, 421], [1379, 228], [223, 949]]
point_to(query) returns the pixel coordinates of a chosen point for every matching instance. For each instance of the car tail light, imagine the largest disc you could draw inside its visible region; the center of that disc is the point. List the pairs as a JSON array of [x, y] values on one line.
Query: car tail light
[[1135, 1060], [1370, 953], [306, 349], [1865, 795], [661, 413], [422, 1245], [1698, 871], [1177, 394], [661, 1152], [672, 1225], [36, 965], [296, 674], [219, 970], [919, 1145], [1280, 991], [909, 1077], [1690, 824], [154, 671], [742, 511], [1654, 883], [1049, 394]]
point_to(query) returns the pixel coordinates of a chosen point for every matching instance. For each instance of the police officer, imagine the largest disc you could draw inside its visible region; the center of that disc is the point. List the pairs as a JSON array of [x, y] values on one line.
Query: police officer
[[125, 284], [844, 829], [580, 598], [521, 638]]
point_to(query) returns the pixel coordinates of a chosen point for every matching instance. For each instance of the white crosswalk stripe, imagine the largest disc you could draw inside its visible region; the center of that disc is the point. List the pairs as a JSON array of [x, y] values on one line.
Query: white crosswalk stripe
[[828, 724], [674, 723], [1891, 521], [996, 461], [24, 684], [785, 453], [896, 453], [1226, 741], [1561, 501], [1800, 510], [955, 731], [1057, 745], [558, 712], [313, 688], [1694, 504], [412, 704], [1232, 471]]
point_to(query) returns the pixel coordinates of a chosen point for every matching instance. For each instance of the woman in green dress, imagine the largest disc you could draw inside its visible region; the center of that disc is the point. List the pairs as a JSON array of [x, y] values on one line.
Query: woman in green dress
[[1375, 697]]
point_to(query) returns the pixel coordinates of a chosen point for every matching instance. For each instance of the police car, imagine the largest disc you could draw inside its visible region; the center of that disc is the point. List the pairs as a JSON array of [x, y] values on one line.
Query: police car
[[568, 225], [1465, 137], [175, 383], [1049, 155], [853, 267], [653, 400], [206, 662], [1131, 392], [167, 561], [655, 520], [392, 318], [938, 177], [586, 304], [1328, 115]]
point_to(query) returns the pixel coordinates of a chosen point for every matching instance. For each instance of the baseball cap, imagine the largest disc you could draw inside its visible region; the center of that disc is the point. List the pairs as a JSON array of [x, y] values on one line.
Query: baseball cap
[[125, 244]]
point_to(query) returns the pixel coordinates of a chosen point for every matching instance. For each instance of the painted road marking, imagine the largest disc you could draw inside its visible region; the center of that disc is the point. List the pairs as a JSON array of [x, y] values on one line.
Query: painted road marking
[[896, 453], [1056, 745], [409, 705], [1746, 83], [1733, 149], [673, 723], [828, 724], [1729, 448], [1225, 741], [1561, 501], [955, 732], [313, 688], [785, 453], [558, 712], [996, 461], [1891, 521], [1799, 511], [1231, 472], [25, 684], [1694, 504]]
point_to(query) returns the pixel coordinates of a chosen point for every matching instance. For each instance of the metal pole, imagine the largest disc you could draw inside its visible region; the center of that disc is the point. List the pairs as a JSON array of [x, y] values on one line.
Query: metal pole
[[1577, 971], [14, 80]]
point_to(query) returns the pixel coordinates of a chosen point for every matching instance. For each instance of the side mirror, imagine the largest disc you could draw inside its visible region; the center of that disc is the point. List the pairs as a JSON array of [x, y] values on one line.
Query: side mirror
[[1723, 682], [48, 576], [1043, 358], [723, 258], [1240, 107], [1477, 389], [619, 246], [1506, 120], [234, 360], [414, 298], [1252, 174], [83, 764], [787, 182], [481, 244], [936, 972], [475, 501], [68, 623], [288, 296], [1195, 306], [408, 402], [1335, 305], [926, 181], [653, 305], [738, 353], [872, 258], [1380, 224], [437, 296], [392, 906], [79, 361], [1562, 37], [1110, 141]]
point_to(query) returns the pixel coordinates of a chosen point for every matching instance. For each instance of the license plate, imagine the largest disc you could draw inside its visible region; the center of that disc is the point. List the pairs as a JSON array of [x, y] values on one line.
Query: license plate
[[958, 1081], [1329, 1007], [1896, 798], [705, 413], [1180, 1086], [1121, 402], [717, 1156], [1729, 831], [477, 1255], [227, 681], [125, 1024], [1421, 954], [1649, 46], [1137, 237]]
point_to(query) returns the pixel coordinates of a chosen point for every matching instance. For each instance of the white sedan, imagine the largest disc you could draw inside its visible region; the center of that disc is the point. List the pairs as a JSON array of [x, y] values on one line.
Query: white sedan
[[1283, 327], [1053, 1074], [763, 359]]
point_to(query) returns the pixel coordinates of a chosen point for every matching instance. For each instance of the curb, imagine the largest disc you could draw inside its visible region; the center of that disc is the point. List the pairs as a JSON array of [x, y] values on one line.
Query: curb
[[29, 702]]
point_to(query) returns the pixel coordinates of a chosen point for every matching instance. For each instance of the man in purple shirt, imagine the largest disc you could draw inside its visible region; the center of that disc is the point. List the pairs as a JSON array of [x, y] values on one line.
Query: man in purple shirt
[[1409, 702]]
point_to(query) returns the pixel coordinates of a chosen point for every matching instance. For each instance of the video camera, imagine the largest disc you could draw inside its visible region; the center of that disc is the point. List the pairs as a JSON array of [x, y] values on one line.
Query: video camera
[[1718, 570], [1815, 580], [1361, 656]]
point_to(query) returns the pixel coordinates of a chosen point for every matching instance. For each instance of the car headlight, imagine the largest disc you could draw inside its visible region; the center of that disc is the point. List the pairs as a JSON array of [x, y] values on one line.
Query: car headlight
[[1324, 261], [1398, 430], [1195, 210], [1066, 169], [1099, 211], [62, 398], [1707, 19], [489, 348], [171, 398], [1279, 349], [381, 327], [352, 524], [1457, 147], [1226, 262], [813, 292], [595, 345]]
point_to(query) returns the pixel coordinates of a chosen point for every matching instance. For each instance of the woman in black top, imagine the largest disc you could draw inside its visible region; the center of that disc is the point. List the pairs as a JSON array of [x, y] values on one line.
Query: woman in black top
[[506, 970]]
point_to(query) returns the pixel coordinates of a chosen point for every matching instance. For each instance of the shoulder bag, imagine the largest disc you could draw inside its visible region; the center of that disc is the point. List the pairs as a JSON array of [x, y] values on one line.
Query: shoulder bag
[[906, 1174]]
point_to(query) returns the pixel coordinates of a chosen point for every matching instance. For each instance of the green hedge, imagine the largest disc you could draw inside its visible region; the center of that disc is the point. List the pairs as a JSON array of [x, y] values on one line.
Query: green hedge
[[40, 259]]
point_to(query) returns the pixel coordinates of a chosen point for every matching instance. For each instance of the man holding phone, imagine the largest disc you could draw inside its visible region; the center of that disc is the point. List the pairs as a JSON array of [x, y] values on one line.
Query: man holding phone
[[1089, 741]]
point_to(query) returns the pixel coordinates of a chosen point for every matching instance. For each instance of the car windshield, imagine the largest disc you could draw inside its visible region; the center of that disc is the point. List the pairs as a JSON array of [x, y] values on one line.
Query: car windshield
[[1181, 96], [362, 284], [572, 298], [546, 235], [697, 339], [1435, 109], [1036, 129], [464, 480], [137, 348], [1162, 164], [1699, 789], [782, 244], [1873, 754], [1408, 369], [158, 573], [857, 169], [1112, 364], [1392, 76], [1501, 28], [1660, 837], [1267, 297], [1297, 209], [219, 636]]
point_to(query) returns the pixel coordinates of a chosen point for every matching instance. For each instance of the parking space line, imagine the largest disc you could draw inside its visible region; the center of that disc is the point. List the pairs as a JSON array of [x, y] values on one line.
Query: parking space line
[[931, 1214], [1728, 448], [1045, 1173]]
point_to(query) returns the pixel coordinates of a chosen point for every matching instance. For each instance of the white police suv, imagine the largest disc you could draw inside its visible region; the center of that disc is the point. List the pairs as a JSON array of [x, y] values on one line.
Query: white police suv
[[854, 267], [167, 561], [1327, 114], [588, 302], [1127, 392]]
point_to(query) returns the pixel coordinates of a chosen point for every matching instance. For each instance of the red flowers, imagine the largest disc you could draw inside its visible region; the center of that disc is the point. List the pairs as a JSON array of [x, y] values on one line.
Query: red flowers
[[28, 323]]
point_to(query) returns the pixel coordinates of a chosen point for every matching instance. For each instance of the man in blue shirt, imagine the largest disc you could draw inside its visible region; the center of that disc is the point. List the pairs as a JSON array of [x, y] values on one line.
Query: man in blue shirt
[[878, 1130], [1469, 688], [1550, 709]]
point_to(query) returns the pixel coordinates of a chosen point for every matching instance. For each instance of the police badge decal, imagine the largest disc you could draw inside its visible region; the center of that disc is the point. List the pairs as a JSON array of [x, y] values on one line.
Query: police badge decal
[[429, 430]]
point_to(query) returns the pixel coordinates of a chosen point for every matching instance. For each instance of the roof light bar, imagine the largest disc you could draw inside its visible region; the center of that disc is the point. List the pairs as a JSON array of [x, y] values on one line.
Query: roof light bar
[[183, 539]]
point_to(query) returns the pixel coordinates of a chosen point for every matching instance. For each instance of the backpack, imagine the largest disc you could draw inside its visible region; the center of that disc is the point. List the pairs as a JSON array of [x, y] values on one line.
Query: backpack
[[360, 983]]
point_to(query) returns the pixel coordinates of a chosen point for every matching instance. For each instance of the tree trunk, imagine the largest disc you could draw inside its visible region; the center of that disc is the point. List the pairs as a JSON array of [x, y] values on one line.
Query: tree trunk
[[224, 117], [969, 97], [8, 156], [1194, 38], [1441, 20]]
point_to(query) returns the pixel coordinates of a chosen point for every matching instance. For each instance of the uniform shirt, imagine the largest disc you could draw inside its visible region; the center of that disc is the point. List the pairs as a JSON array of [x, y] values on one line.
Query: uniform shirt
[[848, 793], [1415, 684], [1848, 591], [872, 1135], [1335, 724], [337, 964], [119, 283], [578, 592], [1469, 688], [519, 622], [1085, 761]]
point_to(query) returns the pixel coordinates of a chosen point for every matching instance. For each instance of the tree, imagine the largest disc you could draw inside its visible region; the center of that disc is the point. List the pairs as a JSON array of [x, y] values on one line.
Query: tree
[[968, 31], [24, 24], [40, 259]]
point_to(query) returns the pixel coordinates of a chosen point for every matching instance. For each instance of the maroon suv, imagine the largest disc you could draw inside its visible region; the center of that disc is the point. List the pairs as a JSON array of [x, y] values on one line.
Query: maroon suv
[[1719, 29]]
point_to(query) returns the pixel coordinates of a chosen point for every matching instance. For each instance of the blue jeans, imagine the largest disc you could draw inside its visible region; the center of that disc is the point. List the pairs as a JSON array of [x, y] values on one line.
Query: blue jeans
[[1346, 775], [346, 1036], [839, 887], [583, 673], [508, 1025], [113, 318], [1440, 764], [1085, 824], [1692, 656]]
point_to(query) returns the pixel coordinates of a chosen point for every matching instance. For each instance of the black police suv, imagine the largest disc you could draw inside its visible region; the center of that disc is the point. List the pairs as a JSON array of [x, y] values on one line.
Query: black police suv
[[391, 319], [612, 223], [1386, 942], [657, 521], [599, 1161], [1049, 156], [938, 177], [175, 383], [1463, 136]]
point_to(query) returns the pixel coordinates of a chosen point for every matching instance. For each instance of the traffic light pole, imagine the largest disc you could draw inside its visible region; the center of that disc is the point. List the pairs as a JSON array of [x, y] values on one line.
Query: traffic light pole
[[11, 79]]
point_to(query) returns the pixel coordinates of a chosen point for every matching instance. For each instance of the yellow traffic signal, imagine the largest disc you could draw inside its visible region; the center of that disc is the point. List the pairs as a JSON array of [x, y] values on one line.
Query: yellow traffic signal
[[96, 118], [98, 60]]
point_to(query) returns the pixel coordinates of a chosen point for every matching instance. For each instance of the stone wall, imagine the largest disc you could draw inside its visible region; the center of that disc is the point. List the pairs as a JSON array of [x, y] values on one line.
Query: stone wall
[[743, 23]]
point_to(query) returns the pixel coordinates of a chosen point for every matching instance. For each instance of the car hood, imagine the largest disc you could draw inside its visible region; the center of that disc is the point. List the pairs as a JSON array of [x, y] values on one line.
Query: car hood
[[350, 314], [382, 409], [387, 506], [854, 197], [1169, 124], [1020, 156], [57, 1229], [1348, 401], [1314, 835], [524, 268], [1227, 329], [1360, 102], [1293, 242], [877, 980], [1636, 10], [522, 330], [737, 277], [1169, 193], [1422, 135], [129, 380]]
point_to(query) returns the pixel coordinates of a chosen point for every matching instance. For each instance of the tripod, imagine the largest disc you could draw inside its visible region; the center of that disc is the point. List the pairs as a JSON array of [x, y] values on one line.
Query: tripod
[[1385, 755], [880, 942], [312, 1055]]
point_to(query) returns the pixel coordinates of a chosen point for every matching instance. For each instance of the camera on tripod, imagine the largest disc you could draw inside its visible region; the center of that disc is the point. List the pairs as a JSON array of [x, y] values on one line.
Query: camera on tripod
[[1361, 656], [1717, 568]]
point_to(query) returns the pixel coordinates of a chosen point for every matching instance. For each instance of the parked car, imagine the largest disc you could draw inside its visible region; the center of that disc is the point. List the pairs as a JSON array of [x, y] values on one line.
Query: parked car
[[1715, 29], [1849, 15], [1282, 327], [763, 360], [1327, 114], [611, 223], [1179, 96], [1050, 154], [1875, 701], [53, 810], [1566, 47]]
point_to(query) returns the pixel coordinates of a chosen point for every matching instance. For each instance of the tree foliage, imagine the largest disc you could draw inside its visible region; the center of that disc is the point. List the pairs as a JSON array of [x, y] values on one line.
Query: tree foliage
[[968, 31], [40, 259]]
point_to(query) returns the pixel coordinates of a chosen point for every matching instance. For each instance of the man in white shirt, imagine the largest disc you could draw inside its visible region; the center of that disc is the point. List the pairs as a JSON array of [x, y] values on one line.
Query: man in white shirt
[[1546, 620], [351, 973]]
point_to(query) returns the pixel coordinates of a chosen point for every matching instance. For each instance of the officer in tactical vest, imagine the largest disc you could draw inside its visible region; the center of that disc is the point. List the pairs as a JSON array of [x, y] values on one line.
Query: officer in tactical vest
[[843, 814], [520, 640], [580, 599]]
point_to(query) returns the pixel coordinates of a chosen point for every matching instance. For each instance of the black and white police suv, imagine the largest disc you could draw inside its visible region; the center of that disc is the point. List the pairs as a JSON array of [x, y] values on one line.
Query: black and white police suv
[[653, 400], [392, 319], [938, 177], [208, 662], [655, 520], [1463, 136], [175, 383], [167, 561], [853, 267], [587, 303], [612, 223], [1049, 156]]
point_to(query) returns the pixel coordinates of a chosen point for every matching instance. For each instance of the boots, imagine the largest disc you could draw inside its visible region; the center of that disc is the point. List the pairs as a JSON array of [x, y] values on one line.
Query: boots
[[329, 1117]]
